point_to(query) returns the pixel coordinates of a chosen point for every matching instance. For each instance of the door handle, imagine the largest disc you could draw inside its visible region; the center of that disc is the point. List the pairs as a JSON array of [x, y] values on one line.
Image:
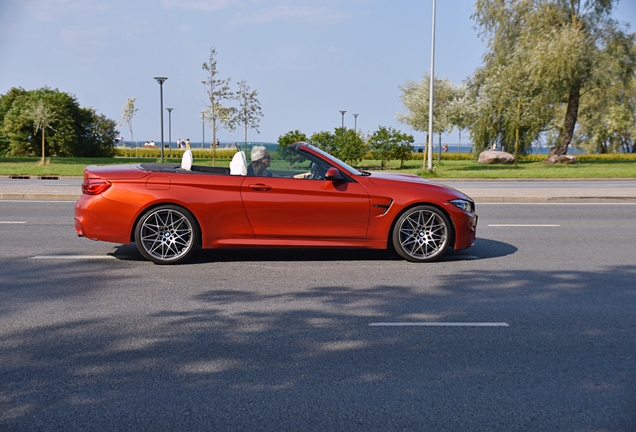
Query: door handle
[[259, 187]]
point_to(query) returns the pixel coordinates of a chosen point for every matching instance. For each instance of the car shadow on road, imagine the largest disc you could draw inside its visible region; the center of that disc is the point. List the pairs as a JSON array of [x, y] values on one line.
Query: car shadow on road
[[483, 249]]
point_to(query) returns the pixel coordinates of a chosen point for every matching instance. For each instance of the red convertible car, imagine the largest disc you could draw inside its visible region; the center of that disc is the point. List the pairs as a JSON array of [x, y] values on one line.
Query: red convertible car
[[303, 197]]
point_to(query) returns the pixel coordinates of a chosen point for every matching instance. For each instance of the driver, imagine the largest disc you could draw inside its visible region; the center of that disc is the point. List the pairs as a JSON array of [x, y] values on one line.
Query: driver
[[261, 160]]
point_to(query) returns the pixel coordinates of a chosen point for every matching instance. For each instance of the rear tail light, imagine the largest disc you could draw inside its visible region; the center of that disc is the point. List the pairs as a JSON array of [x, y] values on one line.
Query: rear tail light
[[93, 186]]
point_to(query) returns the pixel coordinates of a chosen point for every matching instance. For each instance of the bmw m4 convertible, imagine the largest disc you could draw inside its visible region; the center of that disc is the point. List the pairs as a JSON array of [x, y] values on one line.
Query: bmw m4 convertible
[[298, 197]]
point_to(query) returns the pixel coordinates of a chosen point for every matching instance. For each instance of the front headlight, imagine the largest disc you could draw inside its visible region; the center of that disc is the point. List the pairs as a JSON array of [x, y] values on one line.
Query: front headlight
[[467, 206]]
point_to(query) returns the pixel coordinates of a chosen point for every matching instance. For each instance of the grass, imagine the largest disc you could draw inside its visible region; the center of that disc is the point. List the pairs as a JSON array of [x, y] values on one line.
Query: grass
[[446, 169]]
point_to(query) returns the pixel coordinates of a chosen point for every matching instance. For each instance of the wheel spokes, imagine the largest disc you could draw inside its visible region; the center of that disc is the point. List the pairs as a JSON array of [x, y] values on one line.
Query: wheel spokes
[[166, 234], [422, 234]]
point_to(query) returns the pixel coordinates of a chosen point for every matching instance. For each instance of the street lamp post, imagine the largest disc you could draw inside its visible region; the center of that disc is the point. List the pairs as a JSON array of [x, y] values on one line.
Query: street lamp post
[[170, 129], [355, 122], [161, 80], [430, 97], [343, 113]]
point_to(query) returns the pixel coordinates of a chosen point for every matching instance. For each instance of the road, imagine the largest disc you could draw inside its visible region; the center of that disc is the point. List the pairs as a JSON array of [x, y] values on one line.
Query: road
[[543, 333]]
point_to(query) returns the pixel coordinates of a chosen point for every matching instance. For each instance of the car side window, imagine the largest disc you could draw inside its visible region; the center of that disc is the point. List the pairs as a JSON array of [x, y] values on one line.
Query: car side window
[[299, 166]]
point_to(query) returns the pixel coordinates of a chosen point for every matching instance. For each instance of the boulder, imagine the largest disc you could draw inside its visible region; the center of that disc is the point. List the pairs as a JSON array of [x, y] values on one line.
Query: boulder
[[560, 159], [496, 157]]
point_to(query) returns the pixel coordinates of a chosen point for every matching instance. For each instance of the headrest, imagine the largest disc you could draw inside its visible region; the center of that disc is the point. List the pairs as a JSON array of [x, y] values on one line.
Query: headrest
[[238, 166], [186, 160]]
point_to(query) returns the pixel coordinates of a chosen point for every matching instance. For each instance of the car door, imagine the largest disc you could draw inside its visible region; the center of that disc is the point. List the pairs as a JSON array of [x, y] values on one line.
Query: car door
[[304, 208]]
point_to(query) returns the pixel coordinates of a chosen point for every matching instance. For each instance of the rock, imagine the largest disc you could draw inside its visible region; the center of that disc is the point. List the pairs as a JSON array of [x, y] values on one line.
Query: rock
[[496, 157], [560, 159]]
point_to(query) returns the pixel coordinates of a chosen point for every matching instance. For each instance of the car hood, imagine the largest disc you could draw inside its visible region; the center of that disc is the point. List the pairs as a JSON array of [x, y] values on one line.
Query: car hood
[[411, 181]]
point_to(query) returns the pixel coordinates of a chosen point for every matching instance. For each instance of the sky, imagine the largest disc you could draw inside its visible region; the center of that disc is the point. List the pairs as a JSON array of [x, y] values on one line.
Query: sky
[[307, 59]]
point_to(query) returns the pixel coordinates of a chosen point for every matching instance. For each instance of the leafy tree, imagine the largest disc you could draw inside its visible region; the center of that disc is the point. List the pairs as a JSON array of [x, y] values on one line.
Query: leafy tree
[[345, 144], [607, 119], [555, 47], [128, 111], [461, 112], [76, 131], [42, 118], [290, 137], [389, 143], [218, 91], [415, 97], [249, 111], [404, 149]]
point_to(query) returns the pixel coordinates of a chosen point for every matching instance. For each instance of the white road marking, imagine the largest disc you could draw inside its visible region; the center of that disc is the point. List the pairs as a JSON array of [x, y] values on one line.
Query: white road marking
[[12, 222], [73, 257], [523, 225], [439, 324]]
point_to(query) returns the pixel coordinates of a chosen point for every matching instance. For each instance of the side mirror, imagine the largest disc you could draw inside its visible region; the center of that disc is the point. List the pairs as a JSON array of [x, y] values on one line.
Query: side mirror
[[333, 174]]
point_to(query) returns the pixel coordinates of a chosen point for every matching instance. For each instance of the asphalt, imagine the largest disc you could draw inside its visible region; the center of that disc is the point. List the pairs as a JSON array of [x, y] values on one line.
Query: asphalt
[[539, 190]]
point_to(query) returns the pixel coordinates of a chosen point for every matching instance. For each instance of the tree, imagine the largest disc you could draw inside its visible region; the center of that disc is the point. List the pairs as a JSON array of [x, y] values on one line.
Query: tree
[[553, 45], [76, 131], [290, 137], [415, 98], [387, 144], [607, 119], [217, 118], [218, 91], [128, 111], [42, 118], [249, 111], [345, 144], [460, 113]]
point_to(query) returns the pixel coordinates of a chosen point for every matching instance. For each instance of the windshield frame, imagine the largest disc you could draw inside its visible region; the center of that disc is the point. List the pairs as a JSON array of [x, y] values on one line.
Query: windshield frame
[[333, 159]]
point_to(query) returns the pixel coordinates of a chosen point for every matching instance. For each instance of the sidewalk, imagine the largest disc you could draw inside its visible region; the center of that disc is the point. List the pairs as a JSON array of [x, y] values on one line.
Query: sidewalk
[[482, 191]]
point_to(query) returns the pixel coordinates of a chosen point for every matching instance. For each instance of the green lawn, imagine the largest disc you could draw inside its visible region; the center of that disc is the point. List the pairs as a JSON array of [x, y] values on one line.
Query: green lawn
[[447, 168]]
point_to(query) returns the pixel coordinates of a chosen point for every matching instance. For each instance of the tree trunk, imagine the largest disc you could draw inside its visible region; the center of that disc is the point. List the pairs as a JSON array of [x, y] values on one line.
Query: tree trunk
[[43, 159], [571, 115]]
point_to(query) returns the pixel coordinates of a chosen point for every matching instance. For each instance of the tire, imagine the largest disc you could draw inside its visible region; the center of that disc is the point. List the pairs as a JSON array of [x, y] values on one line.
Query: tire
[[421, 234], [167, 234]]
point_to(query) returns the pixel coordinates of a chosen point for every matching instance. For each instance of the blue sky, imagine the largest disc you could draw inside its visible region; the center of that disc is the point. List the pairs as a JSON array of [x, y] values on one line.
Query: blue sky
[[307, 59]]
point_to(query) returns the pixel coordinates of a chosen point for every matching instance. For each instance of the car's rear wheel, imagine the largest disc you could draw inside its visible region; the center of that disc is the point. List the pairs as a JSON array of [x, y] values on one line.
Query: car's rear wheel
[[167, 234], [421, 234]]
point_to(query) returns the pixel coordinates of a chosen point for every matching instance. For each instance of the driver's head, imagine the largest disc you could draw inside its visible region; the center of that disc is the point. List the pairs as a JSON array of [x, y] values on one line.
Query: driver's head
[[260, 153]]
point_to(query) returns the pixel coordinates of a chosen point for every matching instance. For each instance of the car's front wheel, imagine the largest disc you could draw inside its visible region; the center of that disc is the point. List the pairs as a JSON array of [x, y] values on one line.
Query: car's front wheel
[[421, 234], [167, 234]]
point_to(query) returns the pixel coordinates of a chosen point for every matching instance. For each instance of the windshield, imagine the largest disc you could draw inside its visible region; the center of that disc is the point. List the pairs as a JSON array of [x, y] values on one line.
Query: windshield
[[349, 168]]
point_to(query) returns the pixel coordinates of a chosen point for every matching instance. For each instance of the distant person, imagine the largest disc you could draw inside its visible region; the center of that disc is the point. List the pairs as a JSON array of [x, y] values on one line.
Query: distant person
[[261, 160], [445, 148], [178, 143], [187, 143], [217, 143]]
